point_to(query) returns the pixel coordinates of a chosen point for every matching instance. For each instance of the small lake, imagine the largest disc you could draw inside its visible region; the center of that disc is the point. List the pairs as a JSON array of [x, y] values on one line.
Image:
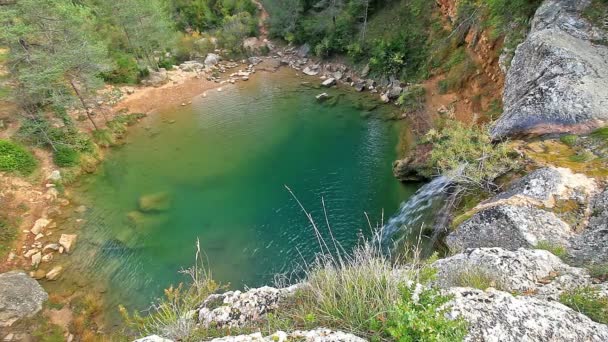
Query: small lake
[[220, 167]]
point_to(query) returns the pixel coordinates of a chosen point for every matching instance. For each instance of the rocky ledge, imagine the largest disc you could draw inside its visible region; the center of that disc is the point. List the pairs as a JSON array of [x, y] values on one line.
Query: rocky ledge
[[550, 206], [558, 79]]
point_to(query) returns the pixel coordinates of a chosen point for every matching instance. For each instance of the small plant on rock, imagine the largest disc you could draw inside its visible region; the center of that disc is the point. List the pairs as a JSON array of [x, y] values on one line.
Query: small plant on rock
[[588, 301]]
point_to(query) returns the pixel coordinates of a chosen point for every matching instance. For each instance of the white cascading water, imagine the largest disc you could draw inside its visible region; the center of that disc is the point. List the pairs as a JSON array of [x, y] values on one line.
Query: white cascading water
[[418, 211]]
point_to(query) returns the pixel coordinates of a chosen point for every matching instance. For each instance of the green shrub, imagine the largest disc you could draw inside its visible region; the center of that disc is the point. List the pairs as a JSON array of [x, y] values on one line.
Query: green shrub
[[412, 99], [588, 301], [467, 155], [66, 156], [569, 139], [557, 250], [420, 315], [125, 70], [15, 158]]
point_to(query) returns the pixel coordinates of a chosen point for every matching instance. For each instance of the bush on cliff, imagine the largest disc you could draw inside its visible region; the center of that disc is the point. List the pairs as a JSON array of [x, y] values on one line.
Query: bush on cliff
[[15, 158], [467, 155]]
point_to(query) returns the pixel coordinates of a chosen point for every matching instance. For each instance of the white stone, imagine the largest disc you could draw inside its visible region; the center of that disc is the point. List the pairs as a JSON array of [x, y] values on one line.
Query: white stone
[[68, 241]]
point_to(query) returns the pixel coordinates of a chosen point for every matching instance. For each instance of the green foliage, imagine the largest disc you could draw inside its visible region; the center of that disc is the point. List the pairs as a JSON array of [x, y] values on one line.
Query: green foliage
[[600, 133], [66, 156], [203, 15], [494, 109], [420, 316], [125, 69], [140, 27], [588, 301], [468, 156], [557, 250], [234, 29], [39, 132], [597, 12], [569, 139], [412, 99], [15, 158], [61, 62]]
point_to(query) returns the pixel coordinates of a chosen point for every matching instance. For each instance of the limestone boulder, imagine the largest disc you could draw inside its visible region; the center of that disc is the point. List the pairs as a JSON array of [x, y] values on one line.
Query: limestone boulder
[[499, 316], [236, 308], [510, 227], [316, 335], [534, 272], [558, 79], [20, 297]]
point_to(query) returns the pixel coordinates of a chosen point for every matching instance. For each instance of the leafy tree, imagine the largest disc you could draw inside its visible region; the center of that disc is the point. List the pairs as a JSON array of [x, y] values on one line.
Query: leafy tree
[[145, 25], [53, 56]]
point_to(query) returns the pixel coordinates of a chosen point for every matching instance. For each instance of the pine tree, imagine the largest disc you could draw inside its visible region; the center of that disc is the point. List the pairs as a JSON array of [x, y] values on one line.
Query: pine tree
[[53, 56]]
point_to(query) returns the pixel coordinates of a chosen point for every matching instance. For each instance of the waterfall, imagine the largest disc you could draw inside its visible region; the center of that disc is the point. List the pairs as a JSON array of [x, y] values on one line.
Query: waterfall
[[417, 212]]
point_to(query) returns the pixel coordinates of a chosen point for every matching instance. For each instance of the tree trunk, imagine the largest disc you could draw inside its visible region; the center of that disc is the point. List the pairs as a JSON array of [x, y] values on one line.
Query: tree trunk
[[86, 108]]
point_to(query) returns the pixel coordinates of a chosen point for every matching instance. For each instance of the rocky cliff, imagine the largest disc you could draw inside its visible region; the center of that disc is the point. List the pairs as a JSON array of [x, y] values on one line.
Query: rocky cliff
[[558, 79]]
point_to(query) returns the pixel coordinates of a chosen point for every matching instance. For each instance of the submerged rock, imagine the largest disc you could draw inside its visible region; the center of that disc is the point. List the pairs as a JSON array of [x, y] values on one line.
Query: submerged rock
[[160, 201], [558, 79], [498, 316], [20, 297], [535, 272]]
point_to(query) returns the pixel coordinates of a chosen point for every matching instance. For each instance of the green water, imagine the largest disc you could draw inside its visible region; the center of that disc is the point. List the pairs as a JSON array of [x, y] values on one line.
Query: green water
[[225, 162]]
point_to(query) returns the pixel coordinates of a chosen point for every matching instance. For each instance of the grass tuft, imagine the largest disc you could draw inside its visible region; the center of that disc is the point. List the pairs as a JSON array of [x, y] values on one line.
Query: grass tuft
[[588, 301], [557, 250], [477, 279]]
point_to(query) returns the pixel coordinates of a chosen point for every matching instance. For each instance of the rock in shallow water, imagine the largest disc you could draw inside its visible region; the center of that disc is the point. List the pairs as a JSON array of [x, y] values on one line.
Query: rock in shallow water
[[160, 201], [20, 297]]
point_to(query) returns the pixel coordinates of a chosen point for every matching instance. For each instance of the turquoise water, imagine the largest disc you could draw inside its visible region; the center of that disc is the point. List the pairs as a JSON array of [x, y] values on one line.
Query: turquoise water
[[223, 164]]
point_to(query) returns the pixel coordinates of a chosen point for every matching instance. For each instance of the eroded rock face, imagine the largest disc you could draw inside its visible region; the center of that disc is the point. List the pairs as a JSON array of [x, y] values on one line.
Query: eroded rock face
[[414, 167], [591, 246], [20, 297], [498, 316], [558, 79], [510, 227], [549, 204], [236, 308], [534, 272], [317, 335]]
